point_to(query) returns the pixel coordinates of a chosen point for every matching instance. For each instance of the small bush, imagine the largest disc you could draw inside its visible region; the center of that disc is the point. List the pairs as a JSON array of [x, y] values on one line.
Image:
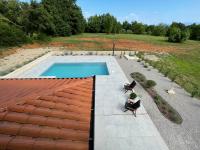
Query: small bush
[[90, 53], [43, 37], [129, 32], [173, 76], [138, 77], [133, 96], [145, 66], [167, 110], [195, 91], [150, 83], [166, 73]]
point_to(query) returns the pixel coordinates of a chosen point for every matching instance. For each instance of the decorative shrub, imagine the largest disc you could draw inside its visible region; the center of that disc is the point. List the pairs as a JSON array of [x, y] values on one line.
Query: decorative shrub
[[164, 107], [145, 66], [195, 91], [138, 77], [166, 72], [150, 83], [133, 96]]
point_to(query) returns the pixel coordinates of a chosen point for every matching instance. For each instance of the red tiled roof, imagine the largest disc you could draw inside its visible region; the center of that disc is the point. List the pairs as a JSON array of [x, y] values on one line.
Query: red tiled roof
[[50, 114]]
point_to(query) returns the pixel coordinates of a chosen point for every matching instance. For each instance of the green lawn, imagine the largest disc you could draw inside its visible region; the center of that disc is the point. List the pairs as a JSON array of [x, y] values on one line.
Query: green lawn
[[187, 66]]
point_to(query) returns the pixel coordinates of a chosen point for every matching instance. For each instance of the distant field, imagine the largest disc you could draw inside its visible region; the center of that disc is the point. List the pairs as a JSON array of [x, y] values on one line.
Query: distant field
[[122, 42], [132, 41]]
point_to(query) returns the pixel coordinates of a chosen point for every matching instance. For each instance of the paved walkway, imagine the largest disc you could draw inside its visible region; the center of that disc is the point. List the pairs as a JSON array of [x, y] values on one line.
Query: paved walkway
[[178, 137], [114, 129]]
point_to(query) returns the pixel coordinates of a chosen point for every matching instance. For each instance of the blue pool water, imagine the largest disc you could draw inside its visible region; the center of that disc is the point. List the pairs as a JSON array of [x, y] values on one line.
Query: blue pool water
[[76, 70]]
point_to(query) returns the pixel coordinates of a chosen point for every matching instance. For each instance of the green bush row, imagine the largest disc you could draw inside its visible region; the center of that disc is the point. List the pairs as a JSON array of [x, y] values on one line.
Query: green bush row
[[167, 110], [142, 79]]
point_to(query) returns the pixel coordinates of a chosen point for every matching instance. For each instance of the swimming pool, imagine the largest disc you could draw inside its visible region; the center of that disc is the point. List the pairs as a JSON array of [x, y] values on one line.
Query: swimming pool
[[76, 70]]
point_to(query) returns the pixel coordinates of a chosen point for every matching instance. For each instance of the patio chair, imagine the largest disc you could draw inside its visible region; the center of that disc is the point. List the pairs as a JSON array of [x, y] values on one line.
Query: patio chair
[[132, 107], [129, 87]]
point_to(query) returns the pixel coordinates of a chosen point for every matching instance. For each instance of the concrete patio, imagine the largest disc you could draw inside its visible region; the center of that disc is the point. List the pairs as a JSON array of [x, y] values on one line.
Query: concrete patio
[[114, 129]]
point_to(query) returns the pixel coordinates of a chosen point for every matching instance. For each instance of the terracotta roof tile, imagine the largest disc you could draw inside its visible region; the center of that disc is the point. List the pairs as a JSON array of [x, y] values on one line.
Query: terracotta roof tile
[[45, 114], [4, 140]]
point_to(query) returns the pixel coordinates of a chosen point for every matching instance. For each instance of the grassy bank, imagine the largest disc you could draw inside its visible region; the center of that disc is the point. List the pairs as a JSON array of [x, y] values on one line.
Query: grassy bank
[[183, 68]]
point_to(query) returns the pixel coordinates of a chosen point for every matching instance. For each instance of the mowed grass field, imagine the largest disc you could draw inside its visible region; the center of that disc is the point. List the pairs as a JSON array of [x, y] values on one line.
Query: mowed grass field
[[183, 58]]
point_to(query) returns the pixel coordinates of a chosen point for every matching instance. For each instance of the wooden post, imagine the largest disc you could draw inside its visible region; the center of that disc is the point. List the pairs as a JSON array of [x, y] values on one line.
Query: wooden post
[[113, 48]]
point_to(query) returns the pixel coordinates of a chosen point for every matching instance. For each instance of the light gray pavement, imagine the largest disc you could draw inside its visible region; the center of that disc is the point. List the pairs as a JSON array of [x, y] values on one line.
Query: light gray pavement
[[178, 137], [114, 129]]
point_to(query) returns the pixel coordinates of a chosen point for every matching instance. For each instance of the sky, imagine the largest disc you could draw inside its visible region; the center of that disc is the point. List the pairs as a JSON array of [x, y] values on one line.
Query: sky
[[146, 11]]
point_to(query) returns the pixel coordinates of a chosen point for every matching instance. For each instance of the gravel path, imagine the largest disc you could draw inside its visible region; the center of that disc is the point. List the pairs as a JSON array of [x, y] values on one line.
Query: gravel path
[[178, 137]]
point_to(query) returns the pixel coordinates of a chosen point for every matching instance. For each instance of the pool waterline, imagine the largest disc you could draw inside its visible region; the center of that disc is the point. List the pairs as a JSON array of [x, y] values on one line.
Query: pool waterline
[[76, 70]]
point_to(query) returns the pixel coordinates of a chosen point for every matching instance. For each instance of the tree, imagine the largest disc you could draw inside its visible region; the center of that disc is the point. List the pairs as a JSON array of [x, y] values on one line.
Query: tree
[[137, 28], [66, 15], [176, 35], [126, 25], [195, 32], [11, 9], [108, 22], [179, 25], [36, 19], [118, 27], [94, 24], [10, 35], [150, 29], [77, 21], [160, 30]]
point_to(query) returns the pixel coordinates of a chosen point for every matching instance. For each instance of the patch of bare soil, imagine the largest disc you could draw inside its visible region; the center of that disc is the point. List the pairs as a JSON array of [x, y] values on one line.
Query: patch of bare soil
[[19, 58], [131, 45]]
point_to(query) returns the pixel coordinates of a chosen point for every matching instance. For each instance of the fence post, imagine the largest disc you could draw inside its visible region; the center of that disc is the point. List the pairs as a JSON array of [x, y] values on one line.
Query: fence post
[[113, 49]]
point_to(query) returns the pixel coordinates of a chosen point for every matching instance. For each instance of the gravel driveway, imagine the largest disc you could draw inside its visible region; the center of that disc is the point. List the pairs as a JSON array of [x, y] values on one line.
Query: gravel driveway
[[178, 137]]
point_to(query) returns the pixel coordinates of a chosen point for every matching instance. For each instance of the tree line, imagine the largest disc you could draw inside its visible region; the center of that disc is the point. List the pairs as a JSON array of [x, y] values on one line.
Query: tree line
[[22, 22], [105, 23], [176, 32]]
